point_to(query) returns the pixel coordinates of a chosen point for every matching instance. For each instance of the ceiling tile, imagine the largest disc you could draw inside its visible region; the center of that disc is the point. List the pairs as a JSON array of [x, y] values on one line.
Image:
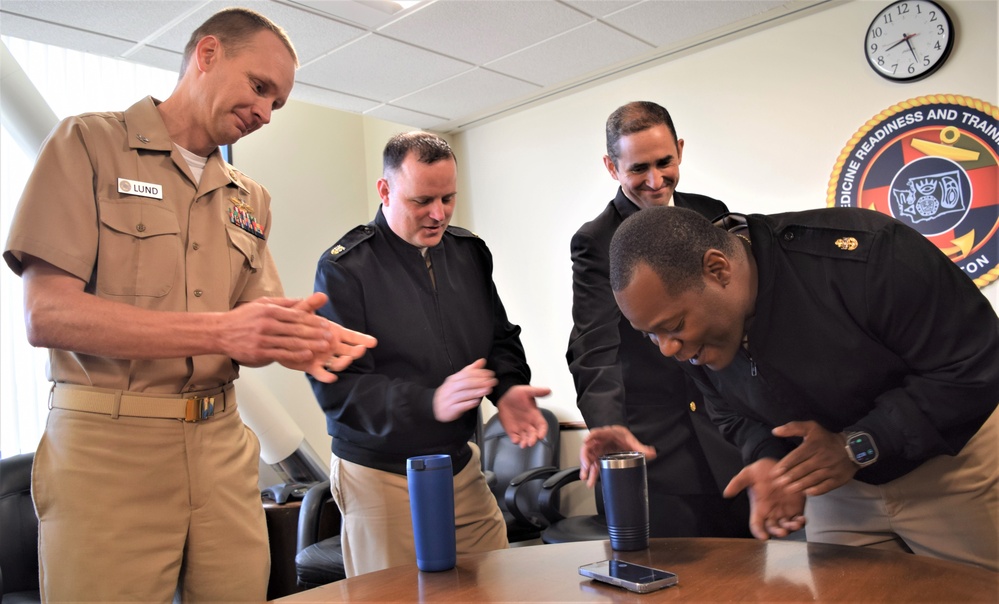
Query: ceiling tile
[[600, 8], [58, 35], [404, 116], [121, 19], [157, 57], [378, 68], [485, 30], [330, 98], [468, 93], [440, 63], [368, 14], [311, 34], [667, 23], [589, 48]]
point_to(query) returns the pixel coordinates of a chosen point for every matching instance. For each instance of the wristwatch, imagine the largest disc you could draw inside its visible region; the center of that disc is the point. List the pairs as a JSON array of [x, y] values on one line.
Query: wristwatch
[[861, 448]]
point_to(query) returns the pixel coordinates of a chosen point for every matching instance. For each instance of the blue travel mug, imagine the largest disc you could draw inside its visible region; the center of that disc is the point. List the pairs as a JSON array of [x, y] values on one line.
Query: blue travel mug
[[431, 502], [626, 499]]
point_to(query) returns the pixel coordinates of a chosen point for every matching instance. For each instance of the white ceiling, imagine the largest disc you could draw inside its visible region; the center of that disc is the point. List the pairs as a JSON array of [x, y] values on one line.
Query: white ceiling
[[441, 64]]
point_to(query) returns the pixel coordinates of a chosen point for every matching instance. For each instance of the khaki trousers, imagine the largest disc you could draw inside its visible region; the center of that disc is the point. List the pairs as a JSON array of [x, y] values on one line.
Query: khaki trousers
[[946, 508], [130, 508], [377, 529]]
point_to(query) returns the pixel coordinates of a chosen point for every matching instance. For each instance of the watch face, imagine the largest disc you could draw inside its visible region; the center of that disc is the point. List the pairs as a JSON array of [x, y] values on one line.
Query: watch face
[[909, 40], [862, 448]]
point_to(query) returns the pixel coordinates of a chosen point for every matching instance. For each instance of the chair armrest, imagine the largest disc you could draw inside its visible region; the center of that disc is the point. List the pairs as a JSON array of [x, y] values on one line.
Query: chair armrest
[[310, 513], [513, 493], [548, 498]]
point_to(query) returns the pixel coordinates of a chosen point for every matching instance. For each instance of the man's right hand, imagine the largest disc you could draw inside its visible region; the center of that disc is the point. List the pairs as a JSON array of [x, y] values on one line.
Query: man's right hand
[[280, 330], [773, 510], [463, 391], [605, 440], [346, 345]]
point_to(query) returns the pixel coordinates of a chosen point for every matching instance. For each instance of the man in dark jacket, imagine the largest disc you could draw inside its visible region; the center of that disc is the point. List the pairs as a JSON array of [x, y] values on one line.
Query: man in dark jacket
[[425, 291], [625, 389], [849, 360]]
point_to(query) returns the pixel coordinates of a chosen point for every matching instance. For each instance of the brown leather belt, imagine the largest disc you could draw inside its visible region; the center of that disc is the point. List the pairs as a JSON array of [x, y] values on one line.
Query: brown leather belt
[[191, 407]]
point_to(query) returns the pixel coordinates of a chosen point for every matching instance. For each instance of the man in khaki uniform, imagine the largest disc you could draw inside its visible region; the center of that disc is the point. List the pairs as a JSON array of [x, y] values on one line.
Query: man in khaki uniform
[[147, 275]]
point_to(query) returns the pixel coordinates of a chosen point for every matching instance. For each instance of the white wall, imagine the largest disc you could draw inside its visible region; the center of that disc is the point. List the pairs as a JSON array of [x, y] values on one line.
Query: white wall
[[764, 118]]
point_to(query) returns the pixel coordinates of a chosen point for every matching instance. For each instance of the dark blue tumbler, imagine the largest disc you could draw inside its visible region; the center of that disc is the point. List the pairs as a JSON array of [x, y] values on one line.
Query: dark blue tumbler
[[431, 502], [626, 499]]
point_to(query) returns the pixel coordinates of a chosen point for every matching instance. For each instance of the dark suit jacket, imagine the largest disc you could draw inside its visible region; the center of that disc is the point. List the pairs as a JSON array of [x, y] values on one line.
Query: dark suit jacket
[[888, 337], [622, 378], [380, 410]]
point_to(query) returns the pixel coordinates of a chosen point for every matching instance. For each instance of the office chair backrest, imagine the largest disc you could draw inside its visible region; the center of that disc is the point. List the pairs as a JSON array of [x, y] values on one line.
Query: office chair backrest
[[319, 557], [18, 530], [507, 461]]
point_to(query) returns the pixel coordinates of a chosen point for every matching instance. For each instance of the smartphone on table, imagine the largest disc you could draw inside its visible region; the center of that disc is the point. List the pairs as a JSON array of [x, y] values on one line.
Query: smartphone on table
[[633, 577]]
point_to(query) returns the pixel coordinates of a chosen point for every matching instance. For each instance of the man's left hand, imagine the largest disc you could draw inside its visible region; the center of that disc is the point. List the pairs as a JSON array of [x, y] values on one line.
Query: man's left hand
[[818, 465], [520, 417]]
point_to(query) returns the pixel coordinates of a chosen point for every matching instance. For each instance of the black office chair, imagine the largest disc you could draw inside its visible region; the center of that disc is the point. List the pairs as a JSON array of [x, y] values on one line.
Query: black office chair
[[18, 532], [319, 560], [505, 463], [561, 529]]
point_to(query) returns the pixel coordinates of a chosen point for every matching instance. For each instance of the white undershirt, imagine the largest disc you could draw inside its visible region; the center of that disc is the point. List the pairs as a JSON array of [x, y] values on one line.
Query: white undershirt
[[194, 161]]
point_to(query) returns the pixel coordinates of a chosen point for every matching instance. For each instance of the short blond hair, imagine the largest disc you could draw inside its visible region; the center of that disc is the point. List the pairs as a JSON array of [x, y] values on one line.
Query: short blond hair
[[234, 27]]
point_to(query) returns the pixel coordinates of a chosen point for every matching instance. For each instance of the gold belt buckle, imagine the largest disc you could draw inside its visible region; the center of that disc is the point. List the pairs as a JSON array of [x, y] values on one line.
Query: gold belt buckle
[[199, 408]]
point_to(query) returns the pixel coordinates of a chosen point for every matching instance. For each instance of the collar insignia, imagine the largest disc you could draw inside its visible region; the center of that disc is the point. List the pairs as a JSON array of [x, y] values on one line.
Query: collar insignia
[[847, 243]]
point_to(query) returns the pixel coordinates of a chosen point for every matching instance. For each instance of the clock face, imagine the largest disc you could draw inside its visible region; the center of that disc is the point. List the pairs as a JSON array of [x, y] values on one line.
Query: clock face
[[909, 40]]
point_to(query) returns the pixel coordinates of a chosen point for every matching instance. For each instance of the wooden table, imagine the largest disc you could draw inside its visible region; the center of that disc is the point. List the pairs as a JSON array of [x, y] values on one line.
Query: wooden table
[[710, 570]]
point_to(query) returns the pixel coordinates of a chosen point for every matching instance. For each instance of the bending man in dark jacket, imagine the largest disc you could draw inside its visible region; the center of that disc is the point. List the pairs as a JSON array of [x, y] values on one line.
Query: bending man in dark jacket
[[849, 360], [425, 291], [625, 389]]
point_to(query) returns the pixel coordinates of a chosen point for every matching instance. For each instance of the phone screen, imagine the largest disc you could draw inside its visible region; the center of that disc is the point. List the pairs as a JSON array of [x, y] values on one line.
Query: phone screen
[[636, 573], [631, 576]]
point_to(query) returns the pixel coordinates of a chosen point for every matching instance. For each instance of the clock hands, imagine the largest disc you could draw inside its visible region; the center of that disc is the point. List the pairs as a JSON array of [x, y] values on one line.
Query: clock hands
[[905, 38]]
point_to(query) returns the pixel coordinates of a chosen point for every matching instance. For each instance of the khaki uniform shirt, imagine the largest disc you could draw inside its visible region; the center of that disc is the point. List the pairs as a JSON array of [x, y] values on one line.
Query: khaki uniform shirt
[[201, 248]]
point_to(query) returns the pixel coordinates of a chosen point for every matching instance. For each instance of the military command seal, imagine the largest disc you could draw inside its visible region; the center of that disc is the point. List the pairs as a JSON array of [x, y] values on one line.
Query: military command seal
[[931, 162]]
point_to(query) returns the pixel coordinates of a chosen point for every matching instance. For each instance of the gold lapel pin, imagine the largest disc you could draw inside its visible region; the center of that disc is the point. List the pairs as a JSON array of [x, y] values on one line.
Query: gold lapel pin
[[242, 205], [847, 243]]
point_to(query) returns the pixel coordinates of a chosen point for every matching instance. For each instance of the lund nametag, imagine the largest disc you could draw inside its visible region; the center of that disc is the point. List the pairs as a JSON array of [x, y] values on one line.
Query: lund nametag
[[142, 189]]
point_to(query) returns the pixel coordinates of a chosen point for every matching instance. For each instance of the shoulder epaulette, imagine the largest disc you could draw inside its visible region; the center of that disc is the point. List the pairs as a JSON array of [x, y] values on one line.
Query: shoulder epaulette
[[460, 232], [349, 241]]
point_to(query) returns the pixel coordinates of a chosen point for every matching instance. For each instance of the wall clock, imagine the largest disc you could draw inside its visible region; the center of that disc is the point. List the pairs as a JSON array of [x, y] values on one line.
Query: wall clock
[[909, 40]]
